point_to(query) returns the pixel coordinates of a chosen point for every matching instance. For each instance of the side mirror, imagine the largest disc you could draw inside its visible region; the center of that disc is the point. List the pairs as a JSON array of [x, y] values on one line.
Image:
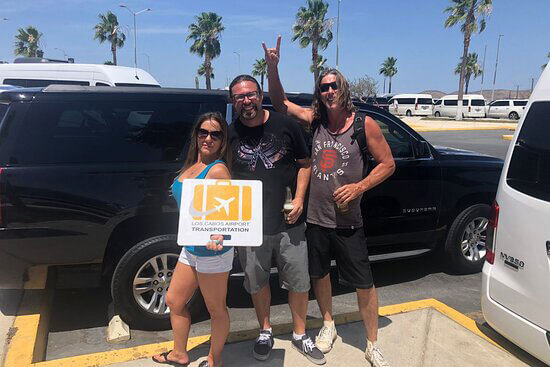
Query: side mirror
[[423, 150]]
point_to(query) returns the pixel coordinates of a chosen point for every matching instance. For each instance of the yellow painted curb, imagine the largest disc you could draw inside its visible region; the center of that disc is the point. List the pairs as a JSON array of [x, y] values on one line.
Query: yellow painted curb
[[507, 137], [429, 129], [22, 350]]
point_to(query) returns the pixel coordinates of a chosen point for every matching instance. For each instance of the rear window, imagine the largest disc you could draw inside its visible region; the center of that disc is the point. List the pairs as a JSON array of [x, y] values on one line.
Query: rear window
[[33, 83], [477, 102], [520, 103], [405, 100], [425, 101], [529, 170], [450, 102], [108, 131]]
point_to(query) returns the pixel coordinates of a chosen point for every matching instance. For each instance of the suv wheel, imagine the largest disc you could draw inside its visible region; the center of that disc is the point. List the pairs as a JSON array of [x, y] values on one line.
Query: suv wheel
[[409, 113], [141, 280], [437, 114], [513, 116], [465, 245]]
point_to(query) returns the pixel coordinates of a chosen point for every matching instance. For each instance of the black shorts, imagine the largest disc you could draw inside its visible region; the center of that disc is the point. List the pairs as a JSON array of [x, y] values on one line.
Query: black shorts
[[347, 246]]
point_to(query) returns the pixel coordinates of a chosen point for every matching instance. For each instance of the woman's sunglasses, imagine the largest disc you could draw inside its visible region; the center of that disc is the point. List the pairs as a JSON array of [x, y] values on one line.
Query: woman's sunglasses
[[324, 86], [215, 135]]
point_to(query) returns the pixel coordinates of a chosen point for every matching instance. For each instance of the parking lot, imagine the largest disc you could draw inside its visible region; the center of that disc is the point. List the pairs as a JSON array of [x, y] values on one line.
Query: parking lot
[[80, 307]]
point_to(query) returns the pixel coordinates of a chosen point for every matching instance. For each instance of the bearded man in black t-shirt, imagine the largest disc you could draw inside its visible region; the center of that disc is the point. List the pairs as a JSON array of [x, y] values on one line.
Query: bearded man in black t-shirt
[[271, 147]]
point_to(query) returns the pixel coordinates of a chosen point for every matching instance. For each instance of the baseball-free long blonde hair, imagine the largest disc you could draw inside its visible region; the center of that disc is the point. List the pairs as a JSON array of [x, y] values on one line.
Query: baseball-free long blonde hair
[[343, 95]]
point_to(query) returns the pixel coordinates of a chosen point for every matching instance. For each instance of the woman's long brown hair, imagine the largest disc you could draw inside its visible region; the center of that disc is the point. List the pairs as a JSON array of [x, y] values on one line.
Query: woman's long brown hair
[[224, 153]]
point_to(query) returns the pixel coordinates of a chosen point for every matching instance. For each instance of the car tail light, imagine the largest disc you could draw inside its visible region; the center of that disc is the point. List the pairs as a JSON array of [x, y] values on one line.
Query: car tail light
[[416, 106], [491, 232]]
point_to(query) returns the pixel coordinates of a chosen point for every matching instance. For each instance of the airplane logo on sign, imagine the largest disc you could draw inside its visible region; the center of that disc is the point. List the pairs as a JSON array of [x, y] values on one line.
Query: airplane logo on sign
[[223, 204]]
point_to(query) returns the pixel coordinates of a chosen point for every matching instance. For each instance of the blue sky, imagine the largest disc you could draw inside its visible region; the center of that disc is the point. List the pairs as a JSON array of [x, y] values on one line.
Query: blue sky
[[370, 31]]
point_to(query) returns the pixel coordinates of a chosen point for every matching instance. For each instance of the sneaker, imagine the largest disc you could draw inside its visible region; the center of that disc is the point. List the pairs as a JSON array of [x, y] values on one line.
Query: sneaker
[[308, 349], [374, 356], [263, 345], [326, 337]]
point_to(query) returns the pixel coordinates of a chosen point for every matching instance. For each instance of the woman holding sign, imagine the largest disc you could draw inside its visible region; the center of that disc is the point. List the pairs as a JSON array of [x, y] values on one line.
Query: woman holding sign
[[205, 267]]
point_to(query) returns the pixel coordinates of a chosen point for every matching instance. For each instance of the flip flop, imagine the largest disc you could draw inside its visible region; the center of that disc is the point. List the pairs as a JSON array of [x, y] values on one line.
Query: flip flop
[[169, 362]]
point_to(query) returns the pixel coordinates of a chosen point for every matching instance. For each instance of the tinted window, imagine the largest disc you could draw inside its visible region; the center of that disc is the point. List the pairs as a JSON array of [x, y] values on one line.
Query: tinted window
[[400, 142], [424, 101], [111, 131], [450, 102], [405, 100], [499, 104], [438, 102], [136, 85], [100, 84], [529, 170], [29, 83], [520, 103], [477, 102]]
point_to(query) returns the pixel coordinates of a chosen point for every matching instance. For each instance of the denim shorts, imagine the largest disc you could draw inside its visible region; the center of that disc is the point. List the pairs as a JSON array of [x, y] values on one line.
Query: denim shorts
[[290, 251], [208, 264]]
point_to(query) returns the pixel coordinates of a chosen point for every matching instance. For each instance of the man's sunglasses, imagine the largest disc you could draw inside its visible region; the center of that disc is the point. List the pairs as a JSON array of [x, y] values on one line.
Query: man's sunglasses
[[324, 86], [215, 135], [252, 96]]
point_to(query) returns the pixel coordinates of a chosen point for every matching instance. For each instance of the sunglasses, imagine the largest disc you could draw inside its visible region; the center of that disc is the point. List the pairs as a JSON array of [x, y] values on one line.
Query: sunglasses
[[324, 87], [252, 96], [215, 135]]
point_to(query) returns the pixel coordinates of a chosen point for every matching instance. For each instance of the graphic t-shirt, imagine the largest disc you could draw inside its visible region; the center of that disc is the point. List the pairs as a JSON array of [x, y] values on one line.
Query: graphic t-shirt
[[336, 161], [268, 153]]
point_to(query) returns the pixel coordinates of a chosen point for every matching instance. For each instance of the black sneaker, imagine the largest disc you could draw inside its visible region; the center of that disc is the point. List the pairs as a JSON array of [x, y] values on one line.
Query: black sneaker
[[263, 345], [308, 349]]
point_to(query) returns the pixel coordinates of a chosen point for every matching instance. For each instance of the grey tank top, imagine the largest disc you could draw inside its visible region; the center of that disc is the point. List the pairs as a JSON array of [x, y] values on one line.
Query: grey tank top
[[336, 162]]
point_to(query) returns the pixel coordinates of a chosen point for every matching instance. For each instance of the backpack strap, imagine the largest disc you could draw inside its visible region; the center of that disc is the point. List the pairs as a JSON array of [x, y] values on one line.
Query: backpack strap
[[359, 134]]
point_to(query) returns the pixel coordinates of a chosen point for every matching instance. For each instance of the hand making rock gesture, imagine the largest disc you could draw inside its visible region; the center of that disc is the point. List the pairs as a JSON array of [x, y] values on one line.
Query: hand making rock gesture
[[272, 55]]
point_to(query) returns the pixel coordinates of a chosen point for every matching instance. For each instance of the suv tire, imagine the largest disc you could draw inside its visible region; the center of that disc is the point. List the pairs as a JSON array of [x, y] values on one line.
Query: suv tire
[[409, 113], [140, 261], [465, 245], [437, 114], [513, 116]]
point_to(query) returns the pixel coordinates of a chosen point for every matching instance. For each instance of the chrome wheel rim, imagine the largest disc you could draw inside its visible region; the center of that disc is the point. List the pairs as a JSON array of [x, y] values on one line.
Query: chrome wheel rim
[[152, 281], [474, 239]]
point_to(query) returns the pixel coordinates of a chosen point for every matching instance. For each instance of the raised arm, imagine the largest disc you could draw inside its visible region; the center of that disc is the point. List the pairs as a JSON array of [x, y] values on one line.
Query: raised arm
[[276, 91]]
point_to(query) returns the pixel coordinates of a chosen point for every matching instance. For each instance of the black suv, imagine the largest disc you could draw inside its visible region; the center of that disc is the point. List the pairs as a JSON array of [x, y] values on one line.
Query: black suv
[[85, 174]]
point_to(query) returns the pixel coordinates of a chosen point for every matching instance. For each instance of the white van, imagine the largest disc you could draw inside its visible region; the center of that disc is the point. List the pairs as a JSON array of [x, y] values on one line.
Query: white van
[[507, 108], [473, 105], [411, 104], [44, 74], [515, 293]]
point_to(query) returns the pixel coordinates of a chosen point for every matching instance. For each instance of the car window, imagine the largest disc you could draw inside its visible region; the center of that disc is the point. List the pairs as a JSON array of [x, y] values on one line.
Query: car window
[[438, 102], [100, 84], [136, 85], [34, 83], [529, 170], [520, 103], [477, 102], [400, 141], [424, 101], [450, 102], [108, 131], [405, 100], [499, 104]]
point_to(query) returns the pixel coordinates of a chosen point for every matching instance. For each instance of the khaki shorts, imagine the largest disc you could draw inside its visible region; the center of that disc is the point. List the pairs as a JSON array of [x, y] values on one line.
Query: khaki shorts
[[289, 249]]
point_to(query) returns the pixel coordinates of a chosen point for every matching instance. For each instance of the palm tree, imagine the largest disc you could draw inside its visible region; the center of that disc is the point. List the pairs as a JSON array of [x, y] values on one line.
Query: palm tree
[[389, 70], [205, 33], [320, 64], [472, 68], [468, 13], [108, 30], [312, 27], [202, 71], [27, 42], [260, 69]]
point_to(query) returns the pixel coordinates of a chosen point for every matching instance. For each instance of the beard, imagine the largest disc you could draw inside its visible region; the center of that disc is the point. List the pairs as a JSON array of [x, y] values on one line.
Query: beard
[[249, 114]]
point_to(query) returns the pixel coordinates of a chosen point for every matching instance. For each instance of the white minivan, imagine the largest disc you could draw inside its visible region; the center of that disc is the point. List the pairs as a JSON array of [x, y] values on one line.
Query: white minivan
[[507, 108], [44, 74], [515, 293], [411, 104], [473, 106]]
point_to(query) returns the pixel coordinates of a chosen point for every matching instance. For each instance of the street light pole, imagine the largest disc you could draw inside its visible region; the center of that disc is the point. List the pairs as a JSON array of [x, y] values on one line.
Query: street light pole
[[239, 60], [483, 69], [337, 32], [496, 65], [135, 30]]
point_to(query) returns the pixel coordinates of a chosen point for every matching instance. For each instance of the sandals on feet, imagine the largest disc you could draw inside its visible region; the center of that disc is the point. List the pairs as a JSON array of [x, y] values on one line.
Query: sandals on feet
[[169, 362], [204, 364]]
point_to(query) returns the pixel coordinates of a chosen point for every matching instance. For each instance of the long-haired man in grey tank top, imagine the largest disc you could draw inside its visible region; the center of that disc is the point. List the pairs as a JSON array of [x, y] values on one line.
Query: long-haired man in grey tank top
[[334, 222]]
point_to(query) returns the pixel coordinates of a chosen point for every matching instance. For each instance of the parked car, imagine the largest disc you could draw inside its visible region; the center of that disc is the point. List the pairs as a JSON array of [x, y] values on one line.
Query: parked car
[[515, 294], [473, 105], [41, 74], [507, 108], [85, 174], [411, 104], [380, 102]]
